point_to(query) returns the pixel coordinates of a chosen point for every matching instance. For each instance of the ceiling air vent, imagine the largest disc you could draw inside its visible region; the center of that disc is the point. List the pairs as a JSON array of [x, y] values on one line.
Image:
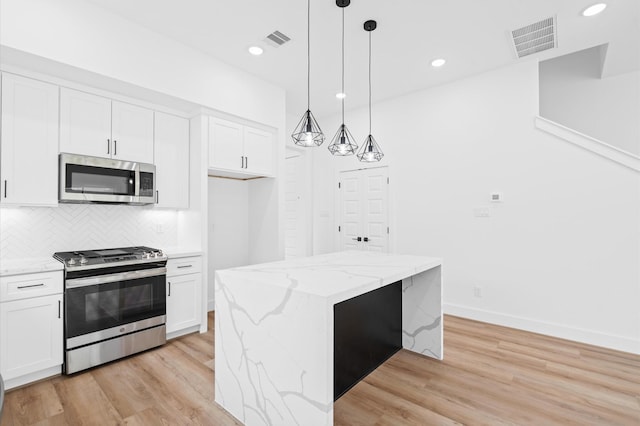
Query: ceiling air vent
[[276, 39], [535, 38]]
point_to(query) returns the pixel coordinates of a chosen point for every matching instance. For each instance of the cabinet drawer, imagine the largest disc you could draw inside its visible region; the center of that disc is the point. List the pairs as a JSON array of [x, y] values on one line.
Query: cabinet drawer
[[18, 287], [184, 265]]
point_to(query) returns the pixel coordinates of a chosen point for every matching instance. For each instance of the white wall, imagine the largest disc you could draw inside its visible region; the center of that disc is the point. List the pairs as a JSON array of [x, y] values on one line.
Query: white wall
[[228, 231], [573, 94], [560, 255], [83, 35]]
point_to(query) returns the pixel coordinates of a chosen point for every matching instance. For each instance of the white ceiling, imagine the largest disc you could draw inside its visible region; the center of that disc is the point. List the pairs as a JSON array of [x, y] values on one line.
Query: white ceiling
[[471, 34]]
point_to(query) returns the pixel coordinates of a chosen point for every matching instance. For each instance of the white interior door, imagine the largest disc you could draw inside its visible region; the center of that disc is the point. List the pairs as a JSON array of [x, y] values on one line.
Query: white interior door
[[351, 210], [364, 210], [295, 218], [375, 191]]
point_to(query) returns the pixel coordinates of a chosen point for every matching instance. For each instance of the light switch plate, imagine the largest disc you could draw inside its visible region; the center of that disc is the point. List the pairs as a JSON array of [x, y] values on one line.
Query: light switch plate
[[481, 212]]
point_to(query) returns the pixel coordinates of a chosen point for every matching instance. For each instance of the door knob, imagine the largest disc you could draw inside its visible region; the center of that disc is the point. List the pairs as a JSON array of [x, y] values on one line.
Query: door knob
[[357, 239], [366, 239]]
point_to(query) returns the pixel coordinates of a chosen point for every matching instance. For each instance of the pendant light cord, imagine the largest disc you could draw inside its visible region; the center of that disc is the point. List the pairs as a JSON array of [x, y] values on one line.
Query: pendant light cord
[[370, 82], [308, 54], [343, 94]]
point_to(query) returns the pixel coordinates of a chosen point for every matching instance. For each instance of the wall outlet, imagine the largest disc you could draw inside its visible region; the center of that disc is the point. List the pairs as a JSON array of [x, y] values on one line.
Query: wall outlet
[[477, 291], [496, 197], [159, 228]]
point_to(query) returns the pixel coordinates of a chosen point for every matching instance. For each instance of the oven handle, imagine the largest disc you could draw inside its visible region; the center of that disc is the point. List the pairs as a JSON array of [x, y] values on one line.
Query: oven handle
[[112, 278]]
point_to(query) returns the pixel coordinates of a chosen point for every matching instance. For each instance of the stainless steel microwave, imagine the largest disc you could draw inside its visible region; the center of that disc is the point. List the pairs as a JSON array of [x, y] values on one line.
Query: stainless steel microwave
[[85, 179]]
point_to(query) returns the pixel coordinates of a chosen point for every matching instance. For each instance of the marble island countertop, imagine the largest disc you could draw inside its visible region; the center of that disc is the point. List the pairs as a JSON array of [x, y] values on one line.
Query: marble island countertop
[[274, 346], [335, 276]]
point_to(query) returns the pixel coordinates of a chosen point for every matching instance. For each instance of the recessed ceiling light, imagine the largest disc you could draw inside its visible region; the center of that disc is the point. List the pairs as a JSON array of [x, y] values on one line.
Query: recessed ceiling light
[[341, 95], [255, 50], [438, 63], [594, 10]]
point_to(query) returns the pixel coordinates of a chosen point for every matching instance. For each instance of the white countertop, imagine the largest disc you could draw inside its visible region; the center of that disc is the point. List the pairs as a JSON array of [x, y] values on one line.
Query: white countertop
[[335, 276], [178, 252], [29, 266], [274, 346]]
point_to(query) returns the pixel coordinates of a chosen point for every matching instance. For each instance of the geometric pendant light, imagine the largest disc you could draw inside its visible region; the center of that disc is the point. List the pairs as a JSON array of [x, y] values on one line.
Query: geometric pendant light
[[308, 133], [343, 142], [370, 150]]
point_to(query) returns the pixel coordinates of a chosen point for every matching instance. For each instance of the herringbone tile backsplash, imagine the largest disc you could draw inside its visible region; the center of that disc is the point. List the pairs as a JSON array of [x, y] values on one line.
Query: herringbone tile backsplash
[[41, 231]]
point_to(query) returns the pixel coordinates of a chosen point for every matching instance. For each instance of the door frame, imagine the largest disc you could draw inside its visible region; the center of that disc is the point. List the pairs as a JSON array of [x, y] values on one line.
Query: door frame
[[337, 216]]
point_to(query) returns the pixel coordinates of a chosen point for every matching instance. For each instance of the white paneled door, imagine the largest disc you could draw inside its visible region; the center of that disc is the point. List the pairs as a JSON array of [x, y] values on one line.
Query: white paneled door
[[295, 239], [364, 209]]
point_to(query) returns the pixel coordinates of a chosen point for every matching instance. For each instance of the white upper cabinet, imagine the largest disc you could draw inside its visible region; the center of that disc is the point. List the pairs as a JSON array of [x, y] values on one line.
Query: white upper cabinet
[[29, 142], [239, 151], [225, 145], [97, 126], [132, 132], [85, 123], [258, 151], [172, 161]]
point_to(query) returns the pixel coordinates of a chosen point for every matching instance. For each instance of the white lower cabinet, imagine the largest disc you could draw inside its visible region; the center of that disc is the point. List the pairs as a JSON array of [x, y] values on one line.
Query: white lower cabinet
[[31, 328], [184, 295]]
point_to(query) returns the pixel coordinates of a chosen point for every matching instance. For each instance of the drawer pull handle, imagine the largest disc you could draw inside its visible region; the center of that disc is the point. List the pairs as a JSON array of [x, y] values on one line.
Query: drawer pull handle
[[59, 303], [184, 266], [169, 295], [20, 287]]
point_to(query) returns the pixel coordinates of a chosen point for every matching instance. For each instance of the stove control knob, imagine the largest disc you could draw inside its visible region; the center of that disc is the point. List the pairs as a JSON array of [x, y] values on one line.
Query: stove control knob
[[84, 260], [71, 261]]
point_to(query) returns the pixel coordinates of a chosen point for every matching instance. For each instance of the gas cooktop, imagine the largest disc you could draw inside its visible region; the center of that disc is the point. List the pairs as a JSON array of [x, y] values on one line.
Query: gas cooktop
[[102, 258]]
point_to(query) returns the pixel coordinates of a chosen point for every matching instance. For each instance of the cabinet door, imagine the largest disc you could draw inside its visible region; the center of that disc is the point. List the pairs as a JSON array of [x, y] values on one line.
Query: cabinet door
[[258, 151], [225, 145], [132, 131], [30, 335], [183, 301], [29, 147], [85, 123], [171, 148]]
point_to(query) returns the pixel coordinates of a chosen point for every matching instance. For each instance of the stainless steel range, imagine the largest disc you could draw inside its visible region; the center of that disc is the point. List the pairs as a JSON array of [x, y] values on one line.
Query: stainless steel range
[[114, 304]]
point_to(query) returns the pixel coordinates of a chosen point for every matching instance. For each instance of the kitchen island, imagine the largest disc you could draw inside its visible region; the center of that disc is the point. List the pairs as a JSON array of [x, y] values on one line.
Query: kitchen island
[[287, 332]]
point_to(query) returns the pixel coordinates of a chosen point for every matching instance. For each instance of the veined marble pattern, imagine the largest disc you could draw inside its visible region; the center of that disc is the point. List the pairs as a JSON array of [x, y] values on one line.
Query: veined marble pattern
[[422, 313], [274, 329], [28, 232]]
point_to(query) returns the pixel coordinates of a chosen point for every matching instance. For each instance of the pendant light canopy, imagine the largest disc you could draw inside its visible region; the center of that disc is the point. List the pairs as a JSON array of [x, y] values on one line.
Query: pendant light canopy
[[308, 133], [370, 150], [343, 142]]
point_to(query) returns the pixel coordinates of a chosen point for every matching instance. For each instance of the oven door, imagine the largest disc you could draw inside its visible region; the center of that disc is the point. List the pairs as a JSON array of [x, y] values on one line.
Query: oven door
[[105, 306]]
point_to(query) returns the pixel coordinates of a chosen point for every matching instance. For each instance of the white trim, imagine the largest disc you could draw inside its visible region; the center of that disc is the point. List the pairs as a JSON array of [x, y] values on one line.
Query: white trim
[[620, 343], [596, 146], [211, 305], [188, 330], [32, 377]]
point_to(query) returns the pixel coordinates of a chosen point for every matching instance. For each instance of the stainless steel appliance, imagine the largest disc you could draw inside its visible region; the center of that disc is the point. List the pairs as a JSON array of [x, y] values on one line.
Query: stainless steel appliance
[[114, 304], [85, 179]]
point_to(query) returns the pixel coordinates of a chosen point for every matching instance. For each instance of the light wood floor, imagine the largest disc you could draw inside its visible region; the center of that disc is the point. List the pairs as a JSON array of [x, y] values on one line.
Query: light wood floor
[[491, 375]]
